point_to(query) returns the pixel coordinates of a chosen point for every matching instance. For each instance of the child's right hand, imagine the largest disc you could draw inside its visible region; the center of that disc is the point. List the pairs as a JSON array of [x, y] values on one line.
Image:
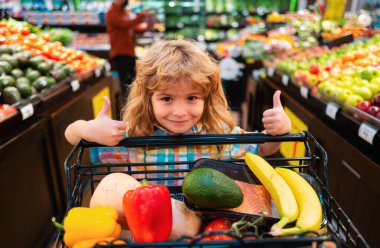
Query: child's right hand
[[103, 129]]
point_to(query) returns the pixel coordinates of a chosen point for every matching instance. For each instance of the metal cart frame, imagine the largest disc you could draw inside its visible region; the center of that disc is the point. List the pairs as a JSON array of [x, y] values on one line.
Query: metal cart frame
[[81, 178]]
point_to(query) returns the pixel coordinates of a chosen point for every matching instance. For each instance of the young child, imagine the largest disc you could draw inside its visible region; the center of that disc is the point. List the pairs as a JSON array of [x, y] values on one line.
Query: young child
[[177, 90]]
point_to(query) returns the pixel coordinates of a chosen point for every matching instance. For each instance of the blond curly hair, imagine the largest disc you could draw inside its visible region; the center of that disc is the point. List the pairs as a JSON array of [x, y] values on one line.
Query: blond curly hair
[[166, 63]]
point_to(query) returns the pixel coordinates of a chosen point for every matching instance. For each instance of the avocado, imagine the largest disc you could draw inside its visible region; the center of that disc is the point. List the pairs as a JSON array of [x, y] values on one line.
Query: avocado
[[209, 188], [23, 58], [22, 80], [25, 90], [6, 66], [9, 58], [6, 80], [15, 48], [41, 83], [17, 73], [69, 70], [43, 67], [35, 61], [51, 80], [59, 74], [27, 70], [11, 95], [32, 75], [34, 91], [4, 49], [58, 65]]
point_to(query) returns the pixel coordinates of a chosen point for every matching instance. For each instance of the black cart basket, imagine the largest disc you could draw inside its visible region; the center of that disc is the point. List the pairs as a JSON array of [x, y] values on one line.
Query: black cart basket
[[82, 179]]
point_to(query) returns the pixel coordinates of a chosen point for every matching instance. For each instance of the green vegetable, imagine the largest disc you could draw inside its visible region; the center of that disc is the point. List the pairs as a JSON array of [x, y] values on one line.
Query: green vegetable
[[11, 95], [209, 188], [6, 80], [64, 35], [32, 75]]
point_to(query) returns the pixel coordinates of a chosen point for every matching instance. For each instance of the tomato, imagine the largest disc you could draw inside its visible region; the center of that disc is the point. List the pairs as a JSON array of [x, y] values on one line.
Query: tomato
[[25, 31], [218, 225]]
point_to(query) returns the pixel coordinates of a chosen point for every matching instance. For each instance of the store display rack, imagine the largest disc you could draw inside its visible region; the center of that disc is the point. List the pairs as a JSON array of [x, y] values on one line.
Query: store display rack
[[31, 108], [82, 178], [363, 132]]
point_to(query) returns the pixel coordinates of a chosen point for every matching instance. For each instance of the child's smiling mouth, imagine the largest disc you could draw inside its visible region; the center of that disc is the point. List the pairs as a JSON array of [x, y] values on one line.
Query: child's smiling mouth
[[178, 122]]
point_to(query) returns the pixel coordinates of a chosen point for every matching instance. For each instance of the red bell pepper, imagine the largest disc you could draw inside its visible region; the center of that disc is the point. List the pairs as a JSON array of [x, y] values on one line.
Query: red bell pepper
[[148, 211]]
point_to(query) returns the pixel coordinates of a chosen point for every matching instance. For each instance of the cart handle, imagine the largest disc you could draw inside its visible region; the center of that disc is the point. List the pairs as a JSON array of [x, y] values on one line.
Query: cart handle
[[245, 138]]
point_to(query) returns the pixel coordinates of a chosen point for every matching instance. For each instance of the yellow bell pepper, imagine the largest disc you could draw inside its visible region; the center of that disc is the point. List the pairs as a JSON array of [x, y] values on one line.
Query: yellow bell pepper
[[90, 223]]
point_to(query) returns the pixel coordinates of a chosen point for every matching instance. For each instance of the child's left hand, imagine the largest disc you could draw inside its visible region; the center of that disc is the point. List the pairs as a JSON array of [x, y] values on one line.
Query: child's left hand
[[275, 120]]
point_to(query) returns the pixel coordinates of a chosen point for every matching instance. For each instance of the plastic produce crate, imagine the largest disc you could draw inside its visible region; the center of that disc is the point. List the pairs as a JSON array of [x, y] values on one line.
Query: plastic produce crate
[[83, 178]]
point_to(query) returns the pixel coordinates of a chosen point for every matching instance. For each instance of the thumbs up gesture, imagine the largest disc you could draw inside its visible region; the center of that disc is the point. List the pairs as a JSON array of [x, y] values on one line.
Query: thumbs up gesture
[[103, 129], [275, 120]]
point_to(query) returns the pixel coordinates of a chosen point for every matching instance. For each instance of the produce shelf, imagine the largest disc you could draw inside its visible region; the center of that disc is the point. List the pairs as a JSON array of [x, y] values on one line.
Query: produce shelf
[[344, 122], [29, 110], [82, 178]]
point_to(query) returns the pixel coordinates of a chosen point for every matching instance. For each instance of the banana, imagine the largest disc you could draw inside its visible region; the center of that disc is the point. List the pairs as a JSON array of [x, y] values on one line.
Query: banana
[[278, 189], [310, 216]]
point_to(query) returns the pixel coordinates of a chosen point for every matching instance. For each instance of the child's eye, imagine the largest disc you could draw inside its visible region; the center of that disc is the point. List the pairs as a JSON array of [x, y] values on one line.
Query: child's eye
[[166, 99], [192, 98]]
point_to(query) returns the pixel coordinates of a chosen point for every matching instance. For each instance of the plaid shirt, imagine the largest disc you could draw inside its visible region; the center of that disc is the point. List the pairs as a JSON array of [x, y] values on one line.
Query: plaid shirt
[[124, 155]]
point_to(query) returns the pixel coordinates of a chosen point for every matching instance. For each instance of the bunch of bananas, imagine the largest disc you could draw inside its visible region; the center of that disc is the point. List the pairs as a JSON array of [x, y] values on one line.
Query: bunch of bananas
[[293, 196]]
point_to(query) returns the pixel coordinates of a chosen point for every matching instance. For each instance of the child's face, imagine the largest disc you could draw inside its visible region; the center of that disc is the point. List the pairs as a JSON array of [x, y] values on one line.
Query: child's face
[[179, 107]]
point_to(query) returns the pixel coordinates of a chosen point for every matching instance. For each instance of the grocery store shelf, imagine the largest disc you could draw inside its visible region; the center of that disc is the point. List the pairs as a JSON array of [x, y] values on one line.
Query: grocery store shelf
[[237, 13], [30, 110], [343, 123], [225, 27], [179, 13], [86, 28]]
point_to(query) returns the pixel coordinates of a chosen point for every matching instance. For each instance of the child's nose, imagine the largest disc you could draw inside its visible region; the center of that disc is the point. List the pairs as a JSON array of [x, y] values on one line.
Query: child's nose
[[179, 109]]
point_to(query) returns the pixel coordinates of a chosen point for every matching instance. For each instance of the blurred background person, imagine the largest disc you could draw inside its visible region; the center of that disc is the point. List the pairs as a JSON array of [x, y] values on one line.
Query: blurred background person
[[121, 26]]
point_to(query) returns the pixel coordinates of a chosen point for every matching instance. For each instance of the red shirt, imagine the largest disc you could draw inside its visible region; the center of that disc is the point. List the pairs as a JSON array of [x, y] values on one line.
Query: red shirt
[[121, 31]]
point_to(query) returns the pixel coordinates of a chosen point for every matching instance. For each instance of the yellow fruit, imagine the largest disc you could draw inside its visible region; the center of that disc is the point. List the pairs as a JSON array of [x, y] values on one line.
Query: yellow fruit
[[310, 215], [278, 189]]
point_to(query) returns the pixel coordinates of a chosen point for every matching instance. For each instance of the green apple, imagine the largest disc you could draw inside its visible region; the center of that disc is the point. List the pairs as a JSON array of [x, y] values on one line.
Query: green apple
[[353, 100], [341, 84], [347, 84], [375, 88], [375, 80], [355, 89], [341, 94], [346, 78], [357, 74], [348, 71], [361, 82], [365, 92], [368, 73], [330, 89], [323, 86]]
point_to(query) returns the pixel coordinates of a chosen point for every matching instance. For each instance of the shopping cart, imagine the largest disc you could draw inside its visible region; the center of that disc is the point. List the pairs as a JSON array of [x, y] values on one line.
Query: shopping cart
[[82, 179]]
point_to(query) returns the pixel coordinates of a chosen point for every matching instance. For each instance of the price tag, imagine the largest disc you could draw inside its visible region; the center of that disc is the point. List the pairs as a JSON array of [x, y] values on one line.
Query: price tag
[[331, 110], [270, 71], [367, 132], [285, 79], [75, 85], [97, 72], [27, 111], [304, 91]]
